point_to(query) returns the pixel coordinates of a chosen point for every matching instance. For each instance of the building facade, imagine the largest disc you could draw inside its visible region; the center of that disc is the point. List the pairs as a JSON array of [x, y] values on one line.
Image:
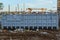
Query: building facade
[[30, 21]]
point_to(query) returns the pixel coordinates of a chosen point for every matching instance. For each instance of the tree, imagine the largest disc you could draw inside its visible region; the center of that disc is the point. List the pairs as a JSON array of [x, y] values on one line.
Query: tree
[[1, 6]]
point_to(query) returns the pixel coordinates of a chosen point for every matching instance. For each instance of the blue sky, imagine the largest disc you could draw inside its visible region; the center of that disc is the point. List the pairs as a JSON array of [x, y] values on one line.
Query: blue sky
[[49, 4]]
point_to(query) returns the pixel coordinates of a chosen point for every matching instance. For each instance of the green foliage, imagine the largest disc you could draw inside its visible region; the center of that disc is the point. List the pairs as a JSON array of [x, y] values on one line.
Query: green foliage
[[1, 6]]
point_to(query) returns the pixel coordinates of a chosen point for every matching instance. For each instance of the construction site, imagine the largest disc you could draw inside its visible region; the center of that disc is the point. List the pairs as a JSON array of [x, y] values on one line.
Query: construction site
[[31, 35], [28, 25]]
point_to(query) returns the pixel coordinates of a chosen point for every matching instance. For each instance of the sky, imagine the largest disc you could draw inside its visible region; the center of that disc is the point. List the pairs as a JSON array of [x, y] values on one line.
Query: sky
[[49, 4]]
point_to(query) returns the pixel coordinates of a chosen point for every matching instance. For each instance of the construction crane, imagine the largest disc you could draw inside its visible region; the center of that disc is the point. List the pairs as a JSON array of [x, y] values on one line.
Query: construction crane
[[42, 9]]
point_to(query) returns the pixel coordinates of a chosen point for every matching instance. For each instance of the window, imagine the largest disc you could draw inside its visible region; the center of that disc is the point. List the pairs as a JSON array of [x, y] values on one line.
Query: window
[[40, 27], [45, 27], [13, 27], [17, 27], [22, 27], [54, 28], [26, 27], [9, 27], [49, 28], [35, 27], [31, 27], [0, 25], [4, 27]]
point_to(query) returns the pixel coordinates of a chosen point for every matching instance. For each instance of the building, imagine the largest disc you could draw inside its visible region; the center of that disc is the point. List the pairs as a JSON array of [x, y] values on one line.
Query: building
[[31, 21], [58, 5]]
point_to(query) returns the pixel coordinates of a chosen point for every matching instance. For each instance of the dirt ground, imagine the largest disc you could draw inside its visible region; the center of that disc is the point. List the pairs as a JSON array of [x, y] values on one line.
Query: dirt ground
[[31, 35]]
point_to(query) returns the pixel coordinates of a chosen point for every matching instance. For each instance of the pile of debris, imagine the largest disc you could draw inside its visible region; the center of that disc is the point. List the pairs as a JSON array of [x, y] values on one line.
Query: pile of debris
[[29, 35]]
